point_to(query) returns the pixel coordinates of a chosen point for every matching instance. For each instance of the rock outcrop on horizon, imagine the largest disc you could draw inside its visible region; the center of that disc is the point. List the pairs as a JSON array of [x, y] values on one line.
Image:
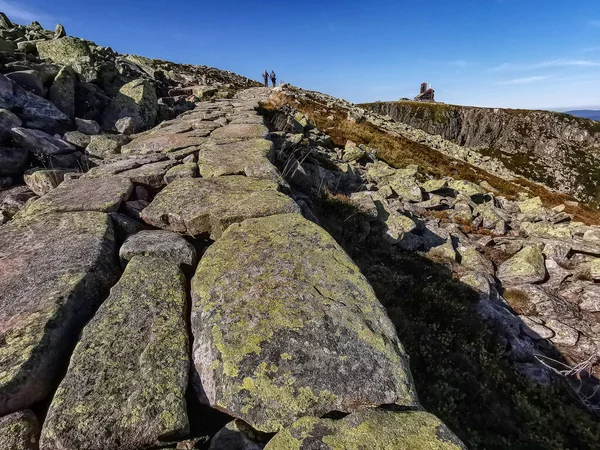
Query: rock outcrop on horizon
[[173, 275], [557, 149]]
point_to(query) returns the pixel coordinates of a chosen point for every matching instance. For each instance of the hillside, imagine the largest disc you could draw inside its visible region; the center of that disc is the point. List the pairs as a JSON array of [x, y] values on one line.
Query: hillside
[[556, 149], [191, 261]]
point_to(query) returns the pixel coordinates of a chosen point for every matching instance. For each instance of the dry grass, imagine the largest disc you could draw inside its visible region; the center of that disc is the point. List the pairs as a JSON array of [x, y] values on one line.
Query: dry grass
[[398, 151], [519, 301]]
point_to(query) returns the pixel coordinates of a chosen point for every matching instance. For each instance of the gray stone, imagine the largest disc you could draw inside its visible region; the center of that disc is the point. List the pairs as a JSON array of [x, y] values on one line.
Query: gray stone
[[126, 382], [85, 194], [250, 158], [89, 127], [285, 325], [8, 121], [77, 138], [534, 329], [42, 181], [152, 175], [187, 170], [104, 145], [526, 267], [207, 206], [19, 431], [239, 132], [62, 91], [564, 334], [55, 270], [41, 143], [134, 109], [163, 143], [35, 111], [69, 51], [29, 80], [59, 31], [12, 160], [235, 436], [162, 244]]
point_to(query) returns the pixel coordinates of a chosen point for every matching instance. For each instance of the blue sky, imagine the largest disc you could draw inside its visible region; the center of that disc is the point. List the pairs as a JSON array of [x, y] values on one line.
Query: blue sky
[[504, 53]]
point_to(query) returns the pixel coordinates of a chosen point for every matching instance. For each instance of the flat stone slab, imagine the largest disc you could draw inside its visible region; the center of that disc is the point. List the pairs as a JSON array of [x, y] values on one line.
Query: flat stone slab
[[239, 132], [39, 142], [152, 174], [159, 243], [369, 429], [162, 143], [55, 271], [126, 382], [207, 206], [86, 194], [19, 431], [114, 167], [285, 325], [250, 158]]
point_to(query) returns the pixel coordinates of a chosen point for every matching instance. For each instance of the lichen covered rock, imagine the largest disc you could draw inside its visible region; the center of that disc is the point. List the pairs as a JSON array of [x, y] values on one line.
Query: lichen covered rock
[[159, 243], [134, 109], [250, 158], [285, 325], [126, 382], [55, 271], [19, 431], [86, 194], [207, 206], [69, 51], [526, 267], [370, 429]]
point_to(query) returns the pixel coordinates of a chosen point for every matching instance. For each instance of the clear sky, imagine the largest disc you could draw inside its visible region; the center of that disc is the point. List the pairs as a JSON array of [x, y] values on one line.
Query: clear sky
[[505, 53]]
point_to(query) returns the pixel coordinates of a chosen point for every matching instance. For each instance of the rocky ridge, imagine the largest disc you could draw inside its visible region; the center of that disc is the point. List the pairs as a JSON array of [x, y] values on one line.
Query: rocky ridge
[[556, 149], [186, 233], [189, 265]]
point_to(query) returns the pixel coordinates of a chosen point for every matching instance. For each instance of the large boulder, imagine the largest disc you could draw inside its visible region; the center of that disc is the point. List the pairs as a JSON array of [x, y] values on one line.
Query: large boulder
[[526, 267], [29, 80], [370, 429], [207, 206], [19, 431], [250, 158], [134, 109], [285, 325], [86, 194], [55, 270], [69, 51], [33, 110], [62, 91], [40, 142], [126, 382], [12, 160], [8, 121]]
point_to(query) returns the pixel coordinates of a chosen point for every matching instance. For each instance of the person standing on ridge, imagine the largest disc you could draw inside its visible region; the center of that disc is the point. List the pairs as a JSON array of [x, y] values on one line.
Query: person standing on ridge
[[273, 77], [266, 77]]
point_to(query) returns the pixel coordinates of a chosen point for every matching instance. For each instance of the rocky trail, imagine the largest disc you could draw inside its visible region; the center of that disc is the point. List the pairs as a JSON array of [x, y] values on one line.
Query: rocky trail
[[184, 262]]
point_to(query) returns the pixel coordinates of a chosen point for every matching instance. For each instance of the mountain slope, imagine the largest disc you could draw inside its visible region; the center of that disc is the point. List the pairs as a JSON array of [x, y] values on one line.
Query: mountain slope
[[556, 149]]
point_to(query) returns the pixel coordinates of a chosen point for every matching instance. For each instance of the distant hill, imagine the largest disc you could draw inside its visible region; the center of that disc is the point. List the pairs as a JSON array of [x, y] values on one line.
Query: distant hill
[[558, 149], [585, 113]]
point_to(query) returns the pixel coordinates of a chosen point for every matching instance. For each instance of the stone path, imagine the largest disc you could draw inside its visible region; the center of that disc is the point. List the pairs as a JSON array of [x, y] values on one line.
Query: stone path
[[285, 328]]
